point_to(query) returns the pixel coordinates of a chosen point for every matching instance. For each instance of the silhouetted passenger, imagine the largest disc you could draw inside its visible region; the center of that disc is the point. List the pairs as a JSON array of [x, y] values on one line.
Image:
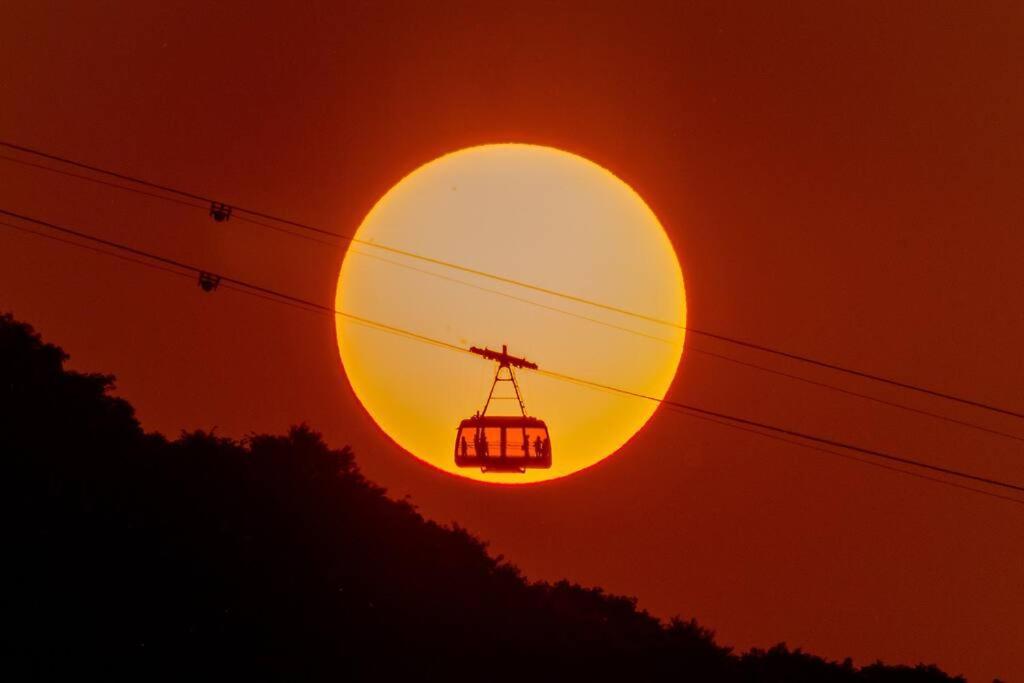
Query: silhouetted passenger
[[538, 447], [465, 447]]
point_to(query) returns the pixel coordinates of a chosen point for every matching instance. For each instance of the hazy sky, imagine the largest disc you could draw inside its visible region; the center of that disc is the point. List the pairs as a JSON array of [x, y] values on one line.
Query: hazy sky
[[841, 181]]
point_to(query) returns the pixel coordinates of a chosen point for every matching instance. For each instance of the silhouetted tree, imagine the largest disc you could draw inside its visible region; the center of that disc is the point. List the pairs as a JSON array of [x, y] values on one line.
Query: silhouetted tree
[[273, 558]]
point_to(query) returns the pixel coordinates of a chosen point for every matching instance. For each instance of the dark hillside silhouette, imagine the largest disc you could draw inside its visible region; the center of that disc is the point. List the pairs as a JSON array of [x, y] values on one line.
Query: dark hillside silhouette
[[132, 556]]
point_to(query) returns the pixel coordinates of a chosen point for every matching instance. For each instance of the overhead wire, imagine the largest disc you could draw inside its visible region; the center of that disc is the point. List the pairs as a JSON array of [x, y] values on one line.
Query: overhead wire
[[506, 280], [793, 442], [264, 297], [563, 311], [712, 354], [98, 250], [846, 456], [731, 420], [165, 261], [785, 431], [98, 181], [858, 373], [513, 297], [866, 397]]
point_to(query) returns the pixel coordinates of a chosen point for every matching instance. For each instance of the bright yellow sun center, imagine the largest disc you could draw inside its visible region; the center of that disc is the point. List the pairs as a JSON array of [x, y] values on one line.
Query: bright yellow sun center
[[527, 213]]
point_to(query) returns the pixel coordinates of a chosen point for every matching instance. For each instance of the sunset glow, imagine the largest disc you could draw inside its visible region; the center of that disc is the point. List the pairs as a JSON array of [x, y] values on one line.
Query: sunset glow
[[532, 214]]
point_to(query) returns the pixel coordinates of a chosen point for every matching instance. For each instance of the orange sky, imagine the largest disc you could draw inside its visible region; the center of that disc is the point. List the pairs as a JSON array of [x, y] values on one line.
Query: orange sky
[[841, 182]]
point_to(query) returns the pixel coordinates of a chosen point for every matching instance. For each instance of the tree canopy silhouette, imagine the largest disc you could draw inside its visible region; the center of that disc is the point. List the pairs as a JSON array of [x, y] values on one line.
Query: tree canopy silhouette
[[274, 558]]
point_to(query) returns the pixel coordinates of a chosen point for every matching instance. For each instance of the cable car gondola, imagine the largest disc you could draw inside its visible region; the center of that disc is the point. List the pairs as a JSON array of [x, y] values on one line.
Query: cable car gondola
[[503, 443]]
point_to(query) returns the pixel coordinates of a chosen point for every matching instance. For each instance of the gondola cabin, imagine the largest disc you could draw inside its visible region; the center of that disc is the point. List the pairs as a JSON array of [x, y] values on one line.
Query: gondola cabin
[[503, 443]]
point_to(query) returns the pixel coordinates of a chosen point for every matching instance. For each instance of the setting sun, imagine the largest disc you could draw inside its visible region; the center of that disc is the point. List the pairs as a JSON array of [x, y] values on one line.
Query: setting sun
[[527, 213]]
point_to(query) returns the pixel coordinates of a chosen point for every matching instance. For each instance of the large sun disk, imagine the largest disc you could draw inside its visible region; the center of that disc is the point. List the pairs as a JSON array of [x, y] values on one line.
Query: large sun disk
[[534, 215]]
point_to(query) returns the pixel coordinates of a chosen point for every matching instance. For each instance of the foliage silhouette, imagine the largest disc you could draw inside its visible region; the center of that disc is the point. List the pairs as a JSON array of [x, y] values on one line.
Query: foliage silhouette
[[273, 558]]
